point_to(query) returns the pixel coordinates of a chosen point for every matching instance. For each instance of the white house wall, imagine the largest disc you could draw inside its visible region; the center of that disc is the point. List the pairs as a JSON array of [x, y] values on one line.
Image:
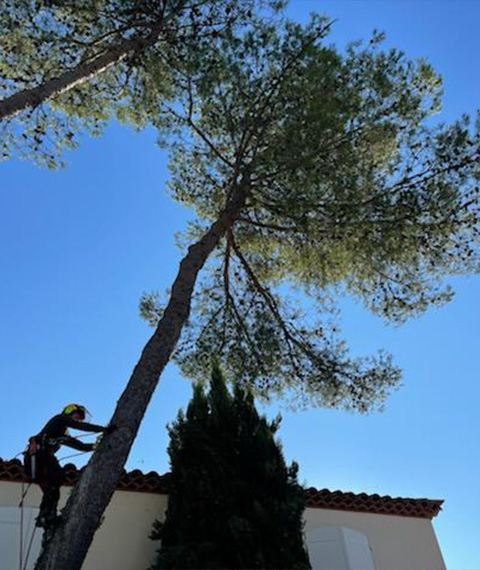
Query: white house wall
[[398, 543], [122, 543]]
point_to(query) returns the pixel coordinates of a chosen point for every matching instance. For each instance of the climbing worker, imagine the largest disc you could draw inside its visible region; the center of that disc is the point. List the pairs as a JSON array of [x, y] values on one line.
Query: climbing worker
[[41, 465]]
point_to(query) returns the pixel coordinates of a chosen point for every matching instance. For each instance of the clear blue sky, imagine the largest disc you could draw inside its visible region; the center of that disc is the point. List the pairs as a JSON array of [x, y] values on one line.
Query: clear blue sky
[[79, 247]]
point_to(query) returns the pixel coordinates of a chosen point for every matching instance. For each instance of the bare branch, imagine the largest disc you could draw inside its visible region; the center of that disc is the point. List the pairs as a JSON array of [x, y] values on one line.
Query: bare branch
[[271, 303], [191, 123]]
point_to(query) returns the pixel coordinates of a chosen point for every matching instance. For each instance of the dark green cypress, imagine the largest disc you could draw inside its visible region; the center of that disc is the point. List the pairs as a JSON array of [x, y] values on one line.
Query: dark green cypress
[[233, 502]]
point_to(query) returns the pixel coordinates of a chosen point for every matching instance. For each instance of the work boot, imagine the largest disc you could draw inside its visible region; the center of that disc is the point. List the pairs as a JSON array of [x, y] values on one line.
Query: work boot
[[41, 521], [46, 520]]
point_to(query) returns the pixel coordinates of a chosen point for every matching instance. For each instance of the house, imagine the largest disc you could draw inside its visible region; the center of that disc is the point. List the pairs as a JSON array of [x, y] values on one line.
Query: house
[[344, 531]]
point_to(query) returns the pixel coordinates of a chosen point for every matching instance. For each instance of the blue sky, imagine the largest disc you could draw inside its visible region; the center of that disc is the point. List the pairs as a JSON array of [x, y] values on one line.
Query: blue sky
[[78, 247]]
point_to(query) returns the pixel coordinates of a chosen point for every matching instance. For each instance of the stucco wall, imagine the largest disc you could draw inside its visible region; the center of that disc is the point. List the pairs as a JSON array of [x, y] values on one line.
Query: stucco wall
[[398, 543], [121, 543]]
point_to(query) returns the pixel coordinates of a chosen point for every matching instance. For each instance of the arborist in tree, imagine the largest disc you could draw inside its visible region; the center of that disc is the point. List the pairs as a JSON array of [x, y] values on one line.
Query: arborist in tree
[[41, 465]]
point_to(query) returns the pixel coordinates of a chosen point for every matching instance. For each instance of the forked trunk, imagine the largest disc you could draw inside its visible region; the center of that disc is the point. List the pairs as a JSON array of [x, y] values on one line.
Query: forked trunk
[[91, 495], [83, 72]]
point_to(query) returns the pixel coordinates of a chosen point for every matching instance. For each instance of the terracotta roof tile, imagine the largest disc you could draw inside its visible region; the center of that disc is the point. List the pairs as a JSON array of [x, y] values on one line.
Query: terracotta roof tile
[[337, 500], [152, 482]]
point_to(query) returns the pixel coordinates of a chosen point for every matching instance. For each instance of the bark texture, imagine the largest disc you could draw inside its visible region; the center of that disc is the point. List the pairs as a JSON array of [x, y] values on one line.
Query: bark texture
[[90, 497], [31, 98]]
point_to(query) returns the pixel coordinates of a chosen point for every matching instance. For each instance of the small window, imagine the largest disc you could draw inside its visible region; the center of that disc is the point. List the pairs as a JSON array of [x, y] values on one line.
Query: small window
[[339, 548], [10, 551]]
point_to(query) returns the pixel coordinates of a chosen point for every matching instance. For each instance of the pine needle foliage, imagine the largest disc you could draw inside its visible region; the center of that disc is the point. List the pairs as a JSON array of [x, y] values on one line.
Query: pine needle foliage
[[233, 502], [41, 40], [353, 190]]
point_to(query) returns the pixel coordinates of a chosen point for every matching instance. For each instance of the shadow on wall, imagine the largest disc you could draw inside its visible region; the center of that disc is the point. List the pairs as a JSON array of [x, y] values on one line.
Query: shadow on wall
[[339, 548], [16, 553]]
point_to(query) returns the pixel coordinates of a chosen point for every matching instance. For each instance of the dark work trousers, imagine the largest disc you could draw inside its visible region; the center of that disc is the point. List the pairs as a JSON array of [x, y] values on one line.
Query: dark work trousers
[[50, 478]]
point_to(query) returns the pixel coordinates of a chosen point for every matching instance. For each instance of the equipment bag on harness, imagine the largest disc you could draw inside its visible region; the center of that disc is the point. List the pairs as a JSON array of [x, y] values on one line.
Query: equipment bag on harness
[[36, 460], [30, 460]]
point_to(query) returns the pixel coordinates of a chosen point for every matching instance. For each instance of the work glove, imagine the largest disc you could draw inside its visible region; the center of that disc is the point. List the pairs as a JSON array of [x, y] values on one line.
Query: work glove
[[109, 429], [97, 442]]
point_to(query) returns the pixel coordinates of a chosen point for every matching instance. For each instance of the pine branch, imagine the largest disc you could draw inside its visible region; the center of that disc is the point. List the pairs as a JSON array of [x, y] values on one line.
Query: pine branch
[[271, 303]]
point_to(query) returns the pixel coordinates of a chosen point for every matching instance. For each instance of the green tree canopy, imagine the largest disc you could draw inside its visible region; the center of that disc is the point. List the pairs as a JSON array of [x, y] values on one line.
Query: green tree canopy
[[232, 500], [351, 190], [313, 171], [72, 65]]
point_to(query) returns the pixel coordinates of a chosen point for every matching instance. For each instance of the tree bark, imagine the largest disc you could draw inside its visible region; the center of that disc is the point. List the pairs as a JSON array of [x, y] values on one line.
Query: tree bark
[[31, 98], [81, 517]]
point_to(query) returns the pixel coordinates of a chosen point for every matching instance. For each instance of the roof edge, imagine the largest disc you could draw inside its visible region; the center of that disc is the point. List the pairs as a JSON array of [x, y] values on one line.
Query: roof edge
[[152, 482]]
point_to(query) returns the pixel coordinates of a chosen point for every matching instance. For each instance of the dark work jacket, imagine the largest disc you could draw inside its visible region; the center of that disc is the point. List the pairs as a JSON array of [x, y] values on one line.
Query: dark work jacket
[[55, 433]]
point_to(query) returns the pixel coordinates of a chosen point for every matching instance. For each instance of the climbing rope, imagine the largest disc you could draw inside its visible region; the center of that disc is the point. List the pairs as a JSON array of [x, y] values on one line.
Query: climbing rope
[[21, 525], [23, 562], [24, 494], [74, 455], [84, 435], [23, 565], [29, 548], [22, 499]]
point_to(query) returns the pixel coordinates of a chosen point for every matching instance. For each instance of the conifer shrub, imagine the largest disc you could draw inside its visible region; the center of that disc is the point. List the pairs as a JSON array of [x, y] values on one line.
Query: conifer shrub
[[233, 502]]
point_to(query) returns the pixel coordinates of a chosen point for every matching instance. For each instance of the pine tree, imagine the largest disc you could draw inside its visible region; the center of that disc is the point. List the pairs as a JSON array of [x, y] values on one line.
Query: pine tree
[[313, 172], [233, 502], [70, 67]]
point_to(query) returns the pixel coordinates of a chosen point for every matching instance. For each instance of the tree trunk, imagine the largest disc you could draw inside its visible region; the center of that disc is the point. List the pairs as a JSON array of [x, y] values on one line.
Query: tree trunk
[[31, 98], [91, 495]]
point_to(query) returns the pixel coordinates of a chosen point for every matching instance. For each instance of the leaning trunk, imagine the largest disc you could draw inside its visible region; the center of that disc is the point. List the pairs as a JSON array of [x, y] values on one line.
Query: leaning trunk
[[83, 72], [91, 495]]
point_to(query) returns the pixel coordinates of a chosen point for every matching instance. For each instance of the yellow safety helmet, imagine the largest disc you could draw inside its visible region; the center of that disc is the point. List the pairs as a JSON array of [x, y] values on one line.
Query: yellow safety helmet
[[71, 408]]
